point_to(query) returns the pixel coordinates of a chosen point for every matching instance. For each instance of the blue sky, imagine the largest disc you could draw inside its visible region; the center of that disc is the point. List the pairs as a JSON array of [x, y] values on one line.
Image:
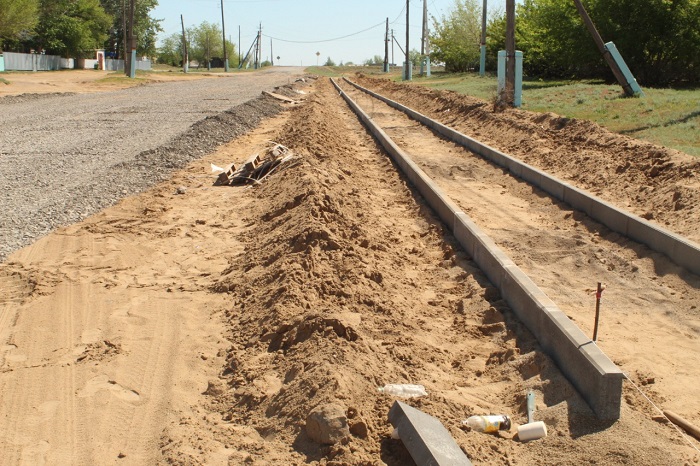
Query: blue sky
[[315, 21]]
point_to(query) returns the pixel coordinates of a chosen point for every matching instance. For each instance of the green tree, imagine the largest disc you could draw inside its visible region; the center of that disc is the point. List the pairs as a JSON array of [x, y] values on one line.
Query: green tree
[[71, 28], [329, 62], [207, 43], [170, 50], [415, 57], [17, 19], [146, 27], [659, 39], [456, 36], [376, 60]]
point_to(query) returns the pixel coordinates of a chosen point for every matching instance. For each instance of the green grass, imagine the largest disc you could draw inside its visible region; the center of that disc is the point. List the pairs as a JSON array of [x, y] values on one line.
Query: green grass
[[4, 81], [669, 117]]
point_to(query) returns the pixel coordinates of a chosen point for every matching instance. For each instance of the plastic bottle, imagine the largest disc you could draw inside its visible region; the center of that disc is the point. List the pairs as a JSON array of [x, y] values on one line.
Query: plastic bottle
[[488, 423], [404, 390]]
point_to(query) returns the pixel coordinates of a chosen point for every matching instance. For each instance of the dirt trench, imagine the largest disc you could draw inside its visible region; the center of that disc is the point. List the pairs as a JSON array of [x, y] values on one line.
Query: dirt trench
[[347, 282], [659, 184]]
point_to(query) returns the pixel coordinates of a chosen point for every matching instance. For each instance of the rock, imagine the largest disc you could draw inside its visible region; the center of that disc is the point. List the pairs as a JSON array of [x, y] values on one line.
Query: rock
[[359, 429], [214, 388], [181, 190], [327, 424]]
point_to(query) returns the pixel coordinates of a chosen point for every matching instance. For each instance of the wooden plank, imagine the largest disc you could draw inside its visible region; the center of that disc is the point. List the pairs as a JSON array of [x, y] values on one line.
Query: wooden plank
[[280, 97]]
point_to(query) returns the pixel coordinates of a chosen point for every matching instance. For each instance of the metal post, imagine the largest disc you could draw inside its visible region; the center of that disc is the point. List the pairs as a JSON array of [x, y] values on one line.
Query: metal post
[[510, 52], [598, 294], [223, 30], [482, 61]]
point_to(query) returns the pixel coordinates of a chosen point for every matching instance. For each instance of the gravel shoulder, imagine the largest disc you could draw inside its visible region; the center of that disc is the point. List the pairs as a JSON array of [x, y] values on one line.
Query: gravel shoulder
[[66, 156]]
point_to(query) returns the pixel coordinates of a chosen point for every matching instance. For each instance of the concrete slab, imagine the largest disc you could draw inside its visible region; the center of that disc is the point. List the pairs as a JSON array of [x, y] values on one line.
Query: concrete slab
[[425, 438]]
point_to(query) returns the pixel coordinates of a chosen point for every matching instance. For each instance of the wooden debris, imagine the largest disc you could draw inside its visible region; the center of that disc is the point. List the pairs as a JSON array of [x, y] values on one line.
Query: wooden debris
[[280, 97], [252, 163], [225, 177], [684, 424], [258, 166]]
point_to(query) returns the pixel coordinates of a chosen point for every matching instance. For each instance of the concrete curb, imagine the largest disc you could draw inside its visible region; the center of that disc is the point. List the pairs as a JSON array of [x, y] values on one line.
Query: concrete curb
[[425, 438], [680, 250], [598, 380]]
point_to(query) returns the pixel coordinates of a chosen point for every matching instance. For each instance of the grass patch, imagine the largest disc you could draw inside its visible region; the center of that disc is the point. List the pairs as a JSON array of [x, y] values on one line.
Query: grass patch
[[4, 81], [668, 117]]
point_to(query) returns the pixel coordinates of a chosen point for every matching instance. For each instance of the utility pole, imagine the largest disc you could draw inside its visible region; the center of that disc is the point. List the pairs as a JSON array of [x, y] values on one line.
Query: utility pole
[[185, 58], [425, 43], [223, 30], [208, 48], [603, 50], [386, 47], [482, 62], [240, 57], [510, 52], [272, 56], [407, 69], [259, 48], [132, 41], [392, 47], [123, 54]]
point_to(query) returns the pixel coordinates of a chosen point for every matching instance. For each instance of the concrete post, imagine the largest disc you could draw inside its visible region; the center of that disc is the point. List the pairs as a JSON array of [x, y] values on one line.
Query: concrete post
[[482, 61], [518, 91], [2, 64], [132, 68], [408, 71]]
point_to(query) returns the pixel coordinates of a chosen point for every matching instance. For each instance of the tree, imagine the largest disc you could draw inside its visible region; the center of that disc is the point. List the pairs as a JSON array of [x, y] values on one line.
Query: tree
[[17, 19], [207, 44], [71, 28], [329, 62], [146, 27], [170, 50], [415, 57], [376, 60], [659, 39], [456, 37]]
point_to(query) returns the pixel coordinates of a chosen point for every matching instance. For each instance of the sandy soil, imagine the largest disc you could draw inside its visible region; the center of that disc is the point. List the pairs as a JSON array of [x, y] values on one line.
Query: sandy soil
[[201, 328], [77, 81]]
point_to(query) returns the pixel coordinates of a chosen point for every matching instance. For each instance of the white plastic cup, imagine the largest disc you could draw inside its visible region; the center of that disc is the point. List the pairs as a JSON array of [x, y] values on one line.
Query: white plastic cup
[[532, 431]]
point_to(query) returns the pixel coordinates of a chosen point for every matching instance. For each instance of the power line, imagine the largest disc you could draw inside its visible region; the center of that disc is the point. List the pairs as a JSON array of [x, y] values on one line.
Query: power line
[[326, 40]]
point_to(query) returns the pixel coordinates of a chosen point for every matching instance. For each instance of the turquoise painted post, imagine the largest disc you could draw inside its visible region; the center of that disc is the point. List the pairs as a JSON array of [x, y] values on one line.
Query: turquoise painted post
[[408, 71], [501, 71], [132, 70], [427, 66], [518, 97], [629, 77], [482, 61], [2, 63]]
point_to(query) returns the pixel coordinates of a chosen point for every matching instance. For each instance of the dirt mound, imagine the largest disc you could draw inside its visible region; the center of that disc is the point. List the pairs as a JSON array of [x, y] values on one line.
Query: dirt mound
[[347, 283], [651, 181]]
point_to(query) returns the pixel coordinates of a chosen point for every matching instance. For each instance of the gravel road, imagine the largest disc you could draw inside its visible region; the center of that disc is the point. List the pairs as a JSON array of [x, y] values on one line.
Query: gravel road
[[66, 156]]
